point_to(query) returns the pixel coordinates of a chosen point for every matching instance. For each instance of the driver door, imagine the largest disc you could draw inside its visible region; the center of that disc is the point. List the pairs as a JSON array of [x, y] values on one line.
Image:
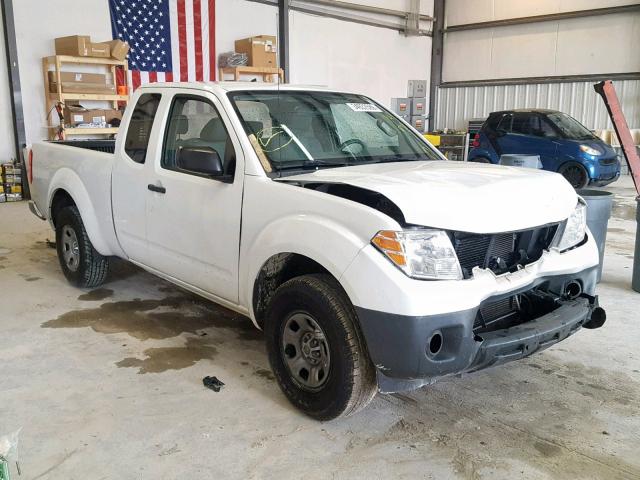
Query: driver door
[[193, 220]]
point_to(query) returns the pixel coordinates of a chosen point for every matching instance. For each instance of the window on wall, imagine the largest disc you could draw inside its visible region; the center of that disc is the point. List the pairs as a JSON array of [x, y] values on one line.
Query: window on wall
[[140, 125], [195, 122]]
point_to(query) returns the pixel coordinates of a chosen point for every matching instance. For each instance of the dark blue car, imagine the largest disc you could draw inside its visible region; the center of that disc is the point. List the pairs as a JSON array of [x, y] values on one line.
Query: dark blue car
[[563, 144]]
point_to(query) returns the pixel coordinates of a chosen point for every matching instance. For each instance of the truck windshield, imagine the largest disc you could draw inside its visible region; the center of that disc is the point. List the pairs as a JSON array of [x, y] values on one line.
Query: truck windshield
[[298, 129], [570, 127]]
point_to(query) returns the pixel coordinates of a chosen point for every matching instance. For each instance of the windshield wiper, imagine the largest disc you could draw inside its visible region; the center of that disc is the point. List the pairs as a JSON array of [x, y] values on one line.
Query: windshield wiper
[[311, 164]]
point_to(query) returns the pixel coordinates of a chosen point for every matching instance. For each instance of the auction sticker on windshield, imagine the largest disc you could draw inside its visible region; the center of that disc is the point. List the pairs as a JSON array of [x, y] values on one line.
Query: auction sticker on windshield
[[363, 107]]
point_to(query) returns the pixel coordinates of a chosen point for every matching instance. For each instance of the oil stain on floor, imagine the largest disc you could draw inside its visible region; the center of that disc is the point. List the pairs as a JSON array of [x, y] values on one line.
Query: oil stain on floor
[[161, 359], [97, 294], [155, 318]]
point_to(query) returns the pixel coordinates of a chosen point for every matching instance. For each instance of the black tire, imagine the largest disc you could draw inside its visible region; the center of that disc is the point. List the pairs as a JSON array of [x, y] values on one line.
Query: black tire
[[480, 160], [350, 383], [575, 174], [86, 268]]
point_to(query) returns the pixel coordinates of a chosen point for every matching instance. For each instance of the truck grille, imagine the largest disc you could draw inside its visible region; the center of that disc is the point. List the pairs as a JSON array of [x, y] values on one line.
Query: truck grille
[[501, 252]]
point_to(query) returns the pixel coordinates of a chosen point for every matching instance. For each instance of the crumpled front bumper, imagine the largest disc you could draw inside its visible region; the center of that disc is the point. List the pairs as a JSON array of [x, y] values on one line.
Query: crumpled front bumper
[[399, 345]]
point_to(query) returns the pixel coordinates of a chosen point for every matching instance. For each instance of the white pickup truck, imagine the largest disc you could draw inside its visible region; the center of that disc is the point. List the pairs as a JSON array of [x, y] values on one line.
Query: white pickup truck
[[370, 262]]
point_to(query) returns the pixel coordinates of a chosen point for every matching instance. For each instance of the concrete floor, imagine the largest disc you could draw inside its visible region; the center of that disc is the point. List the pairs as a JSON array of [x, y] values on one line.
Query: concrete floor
[[108, 384]]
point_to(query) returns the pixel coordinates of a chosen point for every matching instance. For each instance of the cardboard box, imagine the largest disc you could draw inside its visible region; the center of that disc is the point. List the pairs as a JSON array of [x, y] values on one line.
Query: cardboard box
[[74, 82], [417, 88], [418, 123], [76, 115], [119, 49], [101, 50], [418, 106], [260, 50], [75, 45], [401, 106]]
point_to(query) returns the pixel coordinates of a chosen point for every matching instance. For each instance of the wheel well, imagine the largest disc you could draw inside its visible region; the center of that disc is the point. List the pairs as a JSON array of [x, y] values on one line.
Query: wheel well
[[61, 199], [275, 271]]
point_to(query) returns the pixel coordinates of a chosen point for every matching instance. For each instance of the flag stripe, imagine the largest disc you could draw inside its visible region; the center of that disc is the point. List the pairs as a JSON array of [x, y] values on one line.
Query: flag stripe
[[135, 79], [204, 17], [168, 77], [191, 53], [212, 40], [175, 43], [153, 77], [197, 37], [182, 39]]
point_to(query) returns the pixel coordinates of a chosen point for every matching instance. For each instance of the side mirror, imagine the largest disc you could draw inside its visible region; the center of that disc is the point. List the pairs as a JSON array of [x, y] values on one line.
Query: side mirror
[[204, 160]]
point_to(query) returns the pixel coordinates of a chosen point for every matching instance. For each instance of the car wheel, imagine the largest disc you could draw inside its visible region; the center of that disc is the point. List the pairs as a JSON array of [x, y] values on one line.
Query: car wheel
[[480, 160], [82, 265], [316, 349], [575, 174]]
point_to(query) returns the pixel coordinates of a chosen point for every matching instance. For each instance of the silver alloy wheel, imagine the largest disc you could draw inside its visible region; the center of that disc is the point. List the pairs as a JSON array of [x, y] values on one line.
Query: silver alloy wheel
[[305, 351], [70, 248]]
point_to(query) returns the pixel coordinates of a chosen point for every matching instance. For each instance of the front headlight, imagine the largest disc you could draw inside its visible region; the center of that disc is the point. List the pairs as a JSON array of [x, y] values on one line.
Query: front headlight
[[424, 254], [590, 150], [575, 228]]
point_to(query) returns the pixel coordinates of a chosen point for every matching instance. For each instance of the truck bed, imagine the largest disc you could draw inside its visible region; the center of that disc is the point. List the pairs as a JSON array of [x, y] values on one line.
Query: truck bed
[[106, 146], [82, 167]]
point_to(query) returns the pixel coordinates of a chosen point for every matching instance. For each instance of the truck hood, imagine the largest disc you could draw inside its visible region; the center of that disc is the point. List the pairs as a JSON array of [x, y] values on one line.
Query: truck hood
[[468, 197]]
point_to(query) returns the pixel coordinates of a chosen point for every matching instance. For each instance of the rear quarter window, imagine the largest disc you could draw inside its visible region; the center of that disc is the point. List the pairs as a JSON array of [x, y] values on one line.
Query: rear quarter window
[[137, 141]]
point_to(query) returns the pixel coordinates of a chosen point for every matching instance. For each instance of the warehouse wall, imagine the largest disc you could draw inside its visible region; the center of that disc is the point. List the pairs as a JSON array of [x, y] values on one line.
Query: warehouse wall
[[323, 51], [590, 45], [37, 24], [7, 151], [374, 61], [456, 106]]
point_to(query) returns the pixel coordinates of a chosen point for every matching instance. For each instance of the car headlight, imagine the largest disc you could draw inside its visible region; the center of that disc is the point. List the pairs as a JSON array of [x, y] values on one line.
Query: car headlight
[[590, 150], [423, 254], [574, 230]]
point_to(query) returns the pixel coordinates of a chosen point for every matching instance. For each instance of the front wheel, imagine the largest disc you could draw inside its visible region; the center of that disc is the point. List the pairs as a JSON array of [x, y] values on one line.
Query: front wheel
[[82, 265], [575, 174], [316, 350]]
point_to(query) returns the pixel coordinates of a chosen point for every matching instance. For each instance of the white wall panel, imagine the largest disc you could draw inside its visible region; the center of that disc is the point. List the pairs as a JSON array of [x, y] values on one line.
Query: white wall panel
[[456, 106], [37, 24], [236, 19], [473, 11], [7, 152], [602, 44], [375, 61]]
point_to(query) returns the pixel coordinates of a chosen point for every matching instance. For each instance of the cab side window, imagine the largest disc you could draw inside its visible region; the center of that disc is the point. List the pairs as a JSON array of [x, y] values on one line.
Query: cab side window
[[194, 123], [140, 125]]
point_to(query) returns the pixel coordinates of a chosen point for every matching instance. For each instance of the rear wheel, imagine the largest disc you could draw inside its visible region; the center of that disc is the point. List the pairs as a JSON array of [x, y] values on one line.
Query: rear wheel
[[82, 265], [575, 174], [316, 350]]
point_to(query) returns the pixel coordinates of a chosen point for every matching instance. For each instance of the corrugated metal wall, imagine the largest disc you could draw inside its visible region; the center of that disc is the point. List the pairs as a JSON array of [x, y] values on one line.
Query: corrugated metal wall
[[457, 105]]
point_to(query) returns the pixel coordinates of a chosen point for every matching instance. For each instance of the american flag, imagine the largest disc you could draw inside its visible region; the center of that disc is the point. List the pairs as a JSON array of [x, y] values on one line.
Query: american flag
[[169, 40]]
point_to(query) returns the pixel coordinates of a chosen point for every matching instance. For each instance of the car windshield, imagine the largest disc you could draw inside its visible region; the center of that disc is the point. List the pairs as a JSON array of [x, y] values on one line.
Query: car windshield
[[570, 127], [300, 129]]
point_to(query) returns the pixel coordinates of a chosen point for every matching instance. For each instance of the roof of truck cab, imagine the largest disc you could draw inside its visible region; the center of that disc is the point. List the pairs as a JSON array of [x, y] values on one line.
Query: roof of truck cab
[[223, 87]]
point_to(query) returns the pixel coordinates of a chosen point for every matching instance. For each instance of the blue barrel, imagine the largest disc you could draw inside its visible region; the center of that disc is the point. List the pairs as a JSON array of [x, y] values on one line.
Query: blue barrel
[[599, 203]]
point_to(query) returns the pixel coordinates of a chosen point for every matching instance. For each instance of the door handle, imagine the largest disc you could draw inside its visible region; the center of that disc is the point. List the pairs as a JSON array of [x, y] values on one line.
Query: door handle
[[156, 188]]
